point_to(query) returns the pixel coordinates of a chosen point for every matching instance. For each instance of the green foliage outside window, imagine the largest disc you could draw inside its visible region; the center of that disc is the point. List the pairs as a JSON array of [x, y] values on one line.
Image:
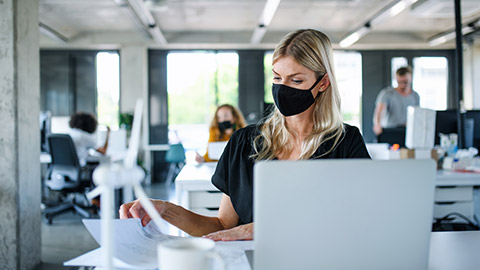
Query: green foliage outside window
[[267, 66], [196, 88]]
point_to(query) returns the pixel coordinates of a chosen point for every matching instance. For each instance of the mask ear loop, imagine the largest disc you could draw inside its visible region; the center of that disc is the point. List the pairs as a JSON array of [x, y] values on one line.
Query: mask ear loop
[[315, 84]]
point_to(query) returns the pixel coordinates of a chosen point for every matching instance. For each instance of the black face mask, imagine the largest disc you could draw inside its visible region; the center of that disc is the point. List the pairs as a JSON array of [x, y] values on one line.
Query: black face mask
[[224, 125], [291, 101]]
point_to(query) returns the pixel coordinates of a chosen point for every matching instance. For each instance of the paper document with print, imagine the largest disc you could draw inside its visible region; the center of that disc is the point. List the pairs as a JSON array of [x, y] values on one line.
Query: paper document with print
[[135, 245]]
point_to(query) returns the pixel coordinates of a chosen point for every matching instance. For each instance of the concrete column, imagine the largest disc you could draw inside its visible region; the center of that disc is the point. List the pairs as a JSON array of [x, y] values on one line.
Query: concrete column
[[20, 216]]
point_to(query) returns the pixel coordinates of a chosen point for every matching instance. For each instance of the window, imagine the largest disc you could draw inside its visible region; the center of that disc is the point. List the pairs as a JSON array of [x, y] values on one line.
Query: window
[[397, 62], [197, 83], [267, 63], [348, 70], [108, 88], [430, 77]]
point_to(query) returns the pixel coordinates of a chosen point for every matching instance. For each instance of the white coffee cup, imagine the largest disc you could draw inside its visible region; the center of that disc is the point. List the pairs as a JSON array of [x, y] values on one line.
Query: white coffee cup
[[188, 254]]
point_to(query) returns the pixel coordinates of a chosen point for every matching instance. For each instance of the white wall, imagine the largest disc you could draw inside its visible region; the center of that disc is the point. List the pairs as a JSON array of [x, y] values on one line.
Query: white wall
[[133, 76], [134, 85]]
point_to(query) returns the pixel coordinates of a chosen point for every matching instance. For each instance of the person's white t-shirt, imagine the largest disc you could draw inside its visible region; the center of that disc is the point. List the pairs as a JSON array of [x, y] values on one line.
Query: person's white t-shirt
[[83, 142]]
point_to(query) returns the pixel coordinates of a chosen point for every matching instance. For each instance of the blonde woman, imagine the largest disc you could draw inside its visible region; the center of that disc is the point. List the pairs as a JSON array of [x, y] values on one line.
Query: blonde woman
[[227, 119], [306, 124]]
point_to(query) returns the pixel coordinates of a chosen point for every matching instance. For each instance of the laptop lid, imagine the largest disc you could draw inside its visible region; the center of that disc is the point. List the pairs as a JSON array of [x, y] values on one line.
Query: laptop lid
[[343, 214], [215, 149]]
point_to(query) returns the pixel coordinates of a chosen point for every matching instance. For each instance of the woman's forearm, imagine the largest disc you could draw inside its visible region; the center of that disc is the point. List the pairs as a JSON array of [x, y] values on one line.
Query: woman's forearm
[[189, 222]]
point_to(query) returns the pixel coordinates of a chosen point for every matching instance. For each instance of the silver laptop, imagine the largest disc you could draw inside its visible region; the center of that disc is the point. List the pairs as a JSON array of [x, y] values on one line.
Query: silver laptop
[[343, 214]]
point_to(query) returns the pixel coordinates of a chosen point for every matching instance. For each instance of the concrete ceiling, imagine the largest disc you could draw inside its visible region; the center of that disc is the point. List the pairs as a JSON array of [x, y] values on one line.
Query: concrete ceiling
[[231, 23]]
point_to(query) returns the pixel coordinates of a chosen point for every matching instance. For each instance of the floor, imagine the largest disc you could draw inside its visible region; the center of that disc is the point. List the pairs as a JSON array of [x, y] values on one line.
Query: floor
[[67, 238]]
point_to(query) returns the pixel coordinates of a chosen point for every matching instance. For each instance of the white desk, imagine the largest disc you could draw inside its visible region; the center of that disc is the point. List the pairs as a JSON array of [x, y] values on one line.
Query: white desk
[[455, 193], [194, 190], [45, 158], [448, 251], [455, 250], [447, 178]]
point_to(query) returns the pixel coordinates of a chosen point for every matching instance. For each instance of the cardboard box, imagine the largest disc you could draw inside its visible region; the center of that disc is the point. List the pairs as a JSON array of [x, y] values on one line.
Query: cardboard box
[[407, 153], [418, 153]]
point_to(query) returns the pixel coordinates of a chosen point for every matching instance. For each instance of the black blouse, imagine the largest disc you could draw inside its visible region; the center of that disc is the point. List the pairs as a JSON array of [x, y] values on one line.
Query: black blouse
[[234, 173]]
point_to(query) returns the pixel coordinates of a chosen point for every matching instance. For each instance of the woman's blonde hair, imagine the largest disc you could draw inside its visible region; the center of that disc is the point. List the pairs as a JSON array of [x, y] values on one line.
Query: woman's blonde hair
[[238, 120], [313, 50]]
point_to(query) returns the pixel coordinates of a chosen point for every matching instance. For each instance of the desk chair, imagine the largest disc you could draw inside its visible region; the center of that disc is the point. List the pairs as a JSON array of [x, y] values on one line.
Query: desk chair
[[176, 157], [66, 176]]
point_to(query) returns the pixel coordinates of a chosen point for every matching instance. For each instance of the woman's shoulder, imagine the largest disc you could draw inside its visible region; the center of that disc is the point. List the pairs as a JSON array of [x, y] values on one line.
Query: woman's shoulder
[[353, 142], [245, 136], [350, 132], [350, 129], [246, 132]]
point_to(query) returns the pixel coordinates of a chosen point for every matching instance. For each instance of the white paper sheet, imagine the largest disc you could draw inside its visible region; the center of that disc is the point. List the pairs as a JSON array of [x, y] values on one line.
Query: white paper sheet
[[136, 246]]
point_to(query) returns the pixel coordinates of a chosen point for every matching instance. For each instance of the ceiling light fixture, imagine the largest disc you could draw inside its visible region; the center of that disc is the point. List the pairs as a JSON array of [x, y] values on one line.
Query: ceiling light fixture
[[450, 35], [142, 11], [390, 11], [49, 32], [264, 21], [144, 19], [355, 36]]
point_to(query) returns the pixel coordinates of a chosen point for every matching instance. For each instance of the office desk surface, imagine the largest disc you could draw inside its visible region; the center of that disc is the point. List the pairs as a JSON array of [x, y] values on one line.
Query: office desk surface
[[448, 251], [455, 250], [198, 177], [448, 178], [193, 176]]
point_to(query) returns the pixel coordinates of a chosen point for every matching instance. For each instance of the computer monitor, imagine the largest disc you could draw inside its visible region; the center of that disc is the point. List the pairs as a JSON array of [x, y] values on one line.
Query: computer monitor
[[446, 123], [45, 119], [475, 115]]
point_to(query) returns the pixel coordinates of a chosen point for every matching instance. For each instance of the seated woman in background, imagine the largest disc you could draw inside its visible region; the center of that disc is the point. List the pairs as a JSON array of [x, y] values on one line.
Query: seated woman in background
[[83, 127], [226, 120]]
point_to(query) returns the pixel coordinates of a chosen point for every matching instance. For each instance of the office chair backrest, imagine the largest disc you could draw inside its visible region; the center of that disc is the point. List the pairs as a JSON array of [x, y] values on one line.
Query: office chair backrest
[[175, 154], [65, 162], [63, 150]]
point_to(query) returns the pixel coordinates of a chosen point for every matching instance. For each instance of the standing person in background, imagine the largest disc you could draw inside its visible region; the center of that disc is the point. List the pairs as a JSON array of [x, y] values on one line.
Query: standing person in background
[[226, 120], [83, 127], [392, 103]]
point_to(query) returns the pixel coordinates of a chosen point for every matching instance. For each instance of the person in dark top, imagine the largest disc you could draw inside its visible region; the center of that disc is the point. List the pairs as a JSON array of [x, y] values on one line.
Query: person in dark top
[[305, 124]]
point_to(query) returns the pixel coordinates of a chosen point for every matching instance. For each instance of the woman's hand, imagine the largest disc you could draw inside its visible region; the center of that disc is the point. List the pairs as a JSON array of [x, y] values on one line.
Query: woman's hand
[[242, 232], [199, 158], [377, 129], [135, 210]]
